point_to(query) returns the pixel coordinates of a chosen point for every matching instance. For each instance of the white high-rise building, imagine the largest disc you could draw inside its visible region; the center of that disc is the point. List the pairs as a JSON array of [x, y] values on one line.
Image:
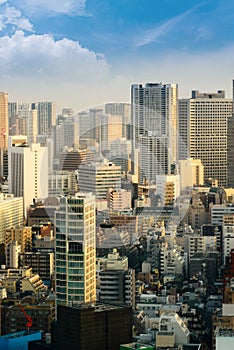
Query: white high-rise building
[[154, 112], [75, 271], [27, 170], [202, 122], [98, 178]]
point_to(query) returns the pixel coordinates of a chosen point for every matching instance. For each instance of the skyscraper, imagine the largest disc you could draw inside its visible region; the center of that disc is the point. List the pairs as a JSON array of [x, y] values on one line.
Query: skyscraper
[[203, 132], [46, 116], [154, 114], [230, 152], [27, 170], [3, 120], [121, 109], [154, 157], [75, 270]]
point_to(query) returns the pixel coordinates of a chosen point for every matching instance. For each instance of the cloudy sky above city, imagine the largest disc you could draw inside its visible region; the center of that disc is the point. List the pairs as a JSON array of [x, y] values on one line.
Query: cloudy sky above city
[[82, 53]]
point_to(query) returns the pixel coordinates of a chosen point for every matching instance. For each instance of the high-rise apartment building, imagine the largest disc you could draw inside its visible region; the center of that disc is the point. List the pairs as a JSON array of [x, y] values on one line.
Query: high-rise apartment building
[[154, 114], [117, 281], [123, 110], [46, 116], [75, 262], [98, 178], [203, 132], [27, 170]]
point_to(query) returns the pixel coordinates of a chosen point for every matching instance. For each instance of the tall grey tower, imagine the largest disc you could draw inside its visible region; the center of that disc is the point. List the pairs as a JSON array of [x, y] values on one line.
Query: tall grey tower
[[46, 116], [154, 115]]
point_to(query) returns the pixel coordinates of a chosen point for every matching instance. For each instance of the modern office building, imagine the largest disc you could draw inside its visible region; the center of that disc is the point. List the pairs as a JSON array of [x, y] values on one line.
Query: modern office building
[[98, 178], [27, 170], [203, 132], [230, 152], [154, 157], [75, 243], [11, 213], [154, 112], [46, 116], [121, 109]]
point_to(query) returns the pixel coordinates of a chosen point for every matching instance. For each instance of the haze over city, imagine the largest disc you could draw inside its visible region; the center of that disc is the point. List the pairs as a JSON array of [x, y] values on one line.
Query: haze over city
[[85, 53], [116, 175]]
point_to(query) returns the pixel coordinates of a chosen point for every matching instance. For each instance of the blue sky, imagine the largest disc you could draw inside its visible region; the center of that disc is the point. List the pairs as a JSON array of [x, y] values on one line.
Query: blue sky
[[85, 53]]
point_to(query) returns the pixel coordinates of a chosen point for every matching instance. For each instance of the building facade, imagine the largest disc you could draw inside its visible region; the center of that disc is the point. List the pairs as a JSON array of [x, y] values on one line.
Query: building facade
[[154, 111], [28, 170], [11, 213], [203, 132], [75, 265], [98, 178]]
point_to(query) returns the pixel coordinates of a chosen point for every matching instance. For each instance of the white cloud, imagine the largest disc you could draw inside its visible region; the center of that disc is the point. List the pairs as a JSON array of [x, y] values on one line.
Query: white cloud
[[42, 57], [52, 6], [13, 17]]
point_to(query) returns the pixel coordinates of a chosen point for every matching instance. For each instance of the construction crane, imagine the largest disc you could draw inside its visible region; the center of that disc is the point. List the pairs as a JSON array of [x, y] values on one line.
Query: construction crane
[[29, 318]]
